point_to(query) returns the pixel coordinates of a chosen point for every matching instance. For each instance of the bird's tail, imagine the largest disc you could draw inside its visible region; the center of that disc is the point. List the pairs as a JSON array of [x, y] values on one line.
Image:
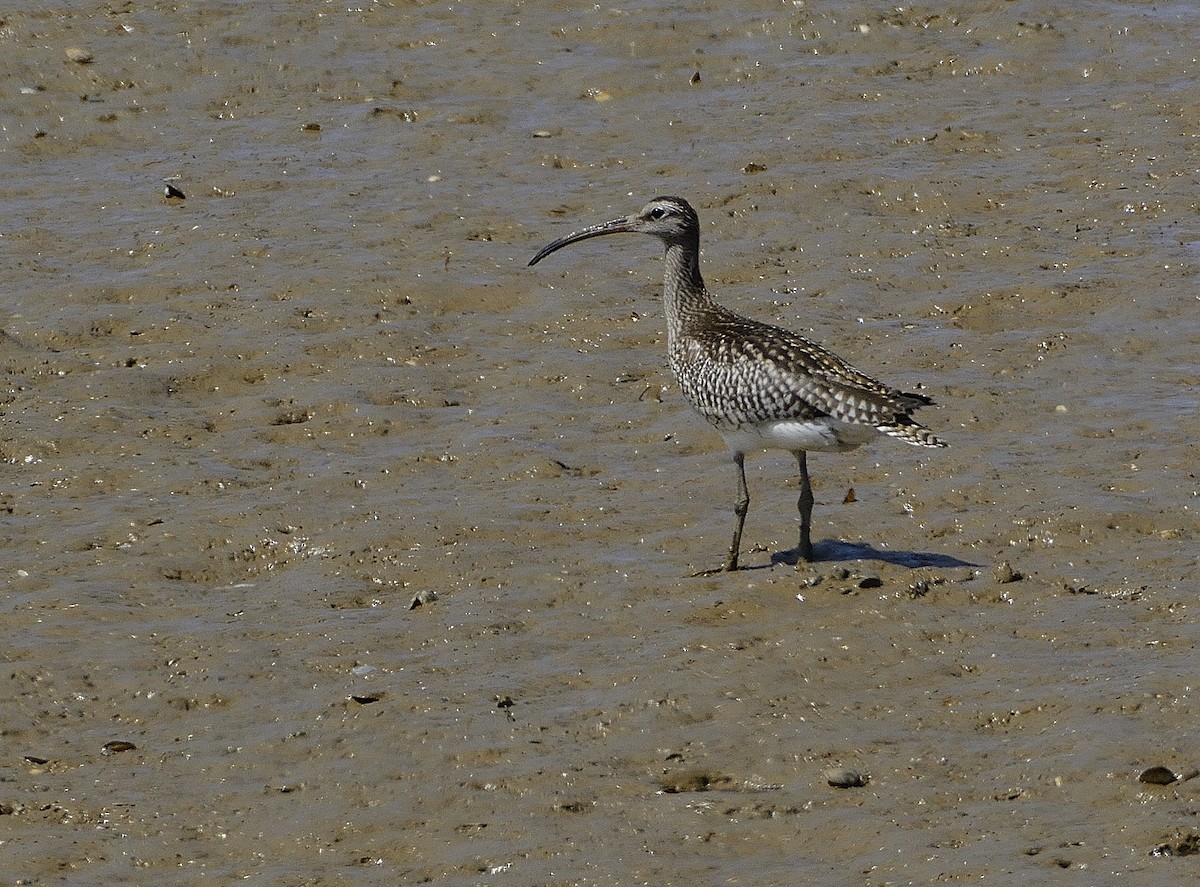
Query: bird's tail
[[912, 432]]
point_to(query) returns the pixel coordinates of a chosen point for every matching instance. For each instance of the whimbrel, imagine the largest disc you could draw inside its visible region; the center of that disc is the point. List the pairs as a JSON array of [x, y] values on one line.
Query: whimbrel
[[760, 386]]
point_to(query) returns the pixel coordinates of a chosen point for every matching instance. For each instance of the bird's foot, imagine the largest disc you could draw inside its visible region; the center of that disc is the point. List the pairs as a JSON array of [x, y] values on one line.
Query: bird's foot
[[716, 571], [730, 566]]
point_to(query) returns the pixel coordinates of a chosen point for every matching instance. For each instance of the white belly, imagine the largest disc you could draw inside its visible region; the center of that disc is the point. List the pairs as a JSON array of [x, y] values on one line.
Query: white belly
[[795, 435]]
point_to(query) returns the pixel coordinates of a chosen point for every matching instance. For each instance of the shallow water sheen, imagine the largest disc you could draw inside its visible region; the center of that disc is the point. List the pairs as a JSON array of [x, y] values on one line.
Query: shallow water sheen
[[244, 429]]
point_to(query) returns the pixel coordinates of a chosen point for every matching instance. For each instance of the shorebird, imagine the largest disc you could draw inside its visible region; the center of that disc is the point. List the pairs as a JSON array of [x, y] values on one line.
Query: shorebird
[[761, 386]]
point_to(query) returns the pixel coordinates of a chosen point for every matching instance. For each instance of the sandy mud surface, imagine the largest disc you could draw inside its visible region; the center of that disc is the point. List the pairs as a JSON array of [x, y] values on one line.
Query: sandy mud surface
[[340, 547]]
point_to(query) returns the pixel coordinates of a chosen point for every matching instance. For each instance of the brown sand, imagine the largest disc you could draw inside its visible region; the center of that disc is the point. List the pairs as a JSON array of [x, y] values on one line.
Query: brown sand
[[244, 429]]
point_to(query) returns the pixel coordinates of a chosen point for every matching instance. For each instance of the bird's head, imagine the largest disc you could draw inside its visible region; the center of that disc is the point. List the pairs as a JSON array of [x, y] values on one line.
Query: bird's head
[[671, 219]]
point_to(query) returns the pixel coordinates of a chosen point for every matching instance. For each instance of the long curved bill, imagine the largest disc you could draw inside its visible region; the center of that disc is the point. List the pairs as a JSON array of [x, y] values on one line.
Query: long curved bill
[[616, 226]]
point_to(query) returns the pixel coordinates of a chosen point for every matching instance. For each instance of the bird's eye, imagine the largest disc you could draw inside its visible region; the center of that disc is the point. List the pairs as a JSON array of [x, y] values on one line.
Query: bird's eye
[[657, 213]]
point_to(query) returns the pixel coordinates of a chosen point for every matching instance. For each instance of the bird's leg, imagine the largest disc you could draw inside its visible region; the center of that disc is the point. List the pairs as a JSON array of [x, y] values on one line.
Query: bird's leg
[[739, 509], [805, 504]]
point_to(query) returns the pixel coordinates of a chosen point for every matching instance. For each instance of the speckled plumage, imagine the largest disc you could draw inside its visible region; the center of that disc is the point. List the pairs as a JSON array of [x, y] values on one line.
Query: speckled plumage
[[761, 386], [737, 372]]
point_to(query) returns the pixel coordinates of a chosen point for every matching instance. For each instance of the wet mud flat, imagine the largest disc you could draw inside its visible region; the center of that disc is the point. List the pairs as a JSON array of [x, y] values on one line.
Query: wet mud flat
[[339, 547]]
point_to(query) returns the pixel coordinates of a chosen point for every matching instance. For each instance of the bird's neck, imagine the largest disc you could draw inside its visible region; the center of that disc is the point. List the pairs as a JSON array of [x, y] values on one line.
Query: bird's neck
[[684, 293]]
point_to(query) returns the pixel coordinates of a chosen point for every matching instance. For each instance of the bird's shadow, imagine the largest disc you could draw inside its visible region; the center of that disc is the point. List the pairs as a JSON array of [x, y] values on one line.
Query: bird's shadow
[[833, 551]]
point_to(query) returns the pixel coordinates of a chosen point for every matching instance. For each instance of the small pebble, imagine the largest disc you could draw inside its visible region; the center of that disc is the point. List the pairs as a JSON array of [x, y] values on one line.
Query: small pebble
[[1005, 573], [1157, 776], [423, 597], [841, 777], [79, 55], [117, 745]]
